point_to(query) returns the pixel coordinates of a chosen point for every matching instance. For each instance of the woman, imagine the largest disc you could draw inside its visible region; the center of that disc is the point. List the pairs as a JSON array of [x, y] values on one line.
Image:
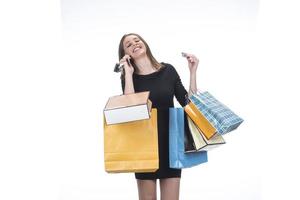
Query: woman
[[144, 73]]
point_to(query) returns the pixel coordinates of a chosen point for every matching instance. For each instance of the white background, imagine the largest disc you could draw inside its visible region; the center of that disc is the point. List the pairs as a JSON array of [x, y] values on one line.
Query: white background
[[56, 74]]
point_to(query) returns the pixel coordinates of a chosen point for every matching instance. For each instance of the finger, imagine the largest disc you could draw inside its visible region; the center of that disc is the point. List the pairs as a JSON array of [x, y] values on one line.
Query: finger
[[123, 62], [126, 56], [188, 55], [194, 58], [190, 59]]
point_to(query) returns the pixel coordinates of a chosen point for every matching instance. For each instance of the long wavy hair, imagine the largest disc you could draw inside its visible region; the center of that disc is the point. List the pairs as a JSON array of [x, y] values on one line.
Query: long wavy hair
[[153, 61]]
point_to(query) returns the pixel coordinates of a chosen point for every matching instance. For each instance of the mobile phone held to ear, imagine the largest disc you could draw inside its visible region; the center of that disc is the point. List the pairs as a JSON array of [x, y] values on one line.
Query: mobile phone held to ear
[[119, 67]]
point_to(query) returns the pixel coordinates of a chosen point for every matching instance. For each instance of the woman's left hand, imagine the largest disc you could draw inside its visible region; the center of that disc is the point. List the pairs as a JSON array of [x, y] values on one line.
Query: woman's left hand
[[193, 62]]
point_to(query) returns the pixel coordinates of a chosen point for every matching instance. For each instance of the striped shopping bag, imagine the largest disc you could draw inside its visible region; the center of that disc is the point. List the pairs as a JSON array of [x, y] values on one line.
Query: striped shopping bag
[[219, 115]]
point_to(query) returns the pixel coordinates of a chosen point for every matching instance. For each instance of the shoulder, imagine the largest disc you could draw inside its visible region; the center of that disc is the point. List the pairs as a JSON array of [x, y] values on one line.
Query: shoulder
[[170, 68], [167, 65]]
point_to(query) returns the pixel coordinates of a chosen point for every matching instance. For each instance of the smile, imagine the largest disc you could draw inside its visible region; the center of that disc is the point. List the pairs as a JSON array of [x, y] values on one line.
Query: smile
[[136, 49]]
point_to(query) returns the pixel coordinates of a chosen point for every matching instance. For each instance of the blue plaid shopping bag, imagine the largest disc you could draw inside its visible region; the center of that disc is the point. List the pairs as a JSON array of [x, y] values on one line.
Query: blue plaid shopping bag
[[177, 156], [219, 115]]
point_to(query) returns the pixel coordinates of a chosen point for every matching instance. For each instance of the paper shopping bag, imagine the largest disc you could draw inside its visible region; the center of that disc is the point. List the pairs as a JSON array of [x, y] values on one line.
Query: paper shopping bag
[[199, 119], [199, 140], [177, 156], [132, 146], [127, 108], [219, 115]]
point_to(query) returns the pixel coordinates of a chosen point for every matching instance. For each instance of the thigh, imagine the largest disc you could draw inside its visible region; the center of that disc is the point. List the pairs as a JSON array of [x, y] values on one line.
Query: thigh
[[146, 189], [169, 188]]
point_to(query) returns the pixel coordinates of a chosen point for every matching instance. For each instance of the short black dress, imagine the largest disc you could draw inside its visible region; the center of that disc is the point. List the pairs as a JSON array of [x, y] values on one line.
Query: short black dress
[[163, 86]]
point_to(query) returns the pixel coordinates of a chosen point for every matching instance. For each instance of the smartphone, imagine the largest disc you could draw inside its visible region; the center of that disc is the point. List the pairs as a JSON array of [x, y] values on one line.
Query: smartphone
[[128, 60], [119, 67], [184, 54]]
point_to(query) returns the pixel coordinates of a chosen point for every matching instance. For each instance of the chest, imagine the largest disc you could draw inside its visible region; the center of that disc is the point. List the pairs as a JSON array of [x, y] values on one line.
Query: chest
[[161, 88]]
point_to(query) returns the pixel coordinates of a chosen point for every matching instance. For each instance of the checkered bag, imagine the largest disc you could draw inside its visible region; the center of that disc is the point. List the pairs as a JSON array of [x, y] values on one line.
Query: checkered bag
[[219, 115]]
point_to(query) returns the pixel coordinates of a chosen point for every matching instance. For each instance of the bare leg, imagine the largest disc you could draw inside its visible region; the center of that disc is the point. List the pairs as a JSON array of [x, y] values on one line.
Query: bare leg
[[169, 188], [147, 189]]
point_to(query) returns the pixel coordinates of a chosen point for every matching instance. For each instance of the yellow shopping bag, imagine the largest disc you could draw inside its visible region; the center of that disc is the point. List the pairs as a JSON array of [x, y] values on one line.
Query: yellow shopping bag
[[200, 121], [131, 146]]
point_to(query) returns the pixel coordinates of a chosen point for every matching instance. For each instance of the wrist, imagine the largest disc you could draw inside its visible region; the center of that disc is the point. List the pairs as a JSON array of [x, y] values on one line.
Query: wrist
[[193, 75], [128, 75], [193, 71]]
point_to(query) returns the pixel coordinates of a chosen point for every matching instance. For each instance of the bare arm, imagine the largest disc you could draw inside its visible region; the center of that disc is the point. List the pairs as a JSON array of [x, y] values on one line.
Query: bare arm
[[128, 84], [128, 70], [193, 62], [193, 83]]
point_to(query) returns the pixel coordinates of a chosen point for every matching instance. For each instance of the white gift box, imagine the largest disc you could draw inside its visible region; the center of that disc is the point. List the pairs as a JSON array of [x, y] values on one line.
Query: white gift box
[[127, 108]]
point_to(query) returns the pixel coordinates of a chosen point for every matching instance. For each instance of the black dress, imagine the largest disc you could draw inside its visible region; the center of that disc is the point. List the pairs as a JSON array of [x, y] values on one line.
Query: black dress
[[163, 86]]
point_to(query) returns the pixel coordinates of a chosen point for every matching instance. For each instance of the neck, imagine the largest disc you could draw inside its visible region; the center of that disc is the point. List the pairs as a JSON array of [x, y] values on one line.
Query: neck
[[144, 66]]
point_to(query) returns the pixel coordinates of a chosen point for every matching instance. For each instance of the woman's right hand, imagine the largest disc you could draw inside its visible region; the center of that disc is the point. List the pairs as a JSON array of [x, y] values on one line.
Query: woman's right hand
[[127, 67]]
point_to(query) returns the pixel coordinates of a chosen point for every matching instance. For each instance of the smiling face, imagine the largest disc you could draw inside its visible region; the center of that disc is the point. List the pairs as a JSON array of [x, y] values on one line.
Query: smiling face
[[134, 46]]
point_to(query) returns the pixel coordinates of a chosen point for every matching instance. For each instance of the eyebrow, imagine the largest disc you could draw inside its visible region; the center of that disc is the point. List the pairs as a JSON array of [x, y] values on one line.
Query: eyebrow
[[133, 38]]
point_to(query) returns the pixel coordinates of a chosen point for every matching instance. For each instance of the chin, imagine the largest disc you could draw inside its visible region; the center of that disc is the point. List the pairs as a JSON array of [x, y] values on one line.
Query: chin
[[139, 55]]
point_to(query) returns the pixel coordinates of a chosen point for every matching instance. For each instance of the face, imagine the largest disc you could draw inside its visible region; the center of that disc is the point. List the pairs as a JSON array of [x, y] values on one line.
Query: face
[[134, 46]]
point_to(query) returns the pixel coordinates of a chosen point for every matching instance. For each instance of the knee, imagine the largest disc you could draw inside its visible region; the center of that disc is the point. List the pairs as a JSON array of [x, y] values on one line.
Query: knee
[[148, 197]]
